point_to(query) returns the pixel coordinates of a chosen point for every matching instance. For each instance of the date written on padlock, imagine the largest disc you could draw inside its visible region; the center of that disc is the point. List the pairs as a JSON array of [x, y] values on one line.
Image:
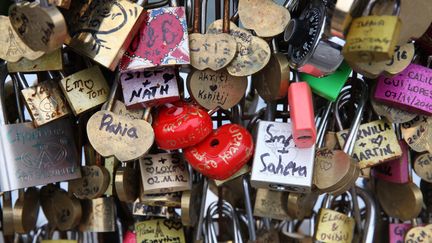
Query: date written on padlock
[[376, 143], [410, 89], [278, 163], [162, 173], [149, 88], [160, 230], [162, 41]]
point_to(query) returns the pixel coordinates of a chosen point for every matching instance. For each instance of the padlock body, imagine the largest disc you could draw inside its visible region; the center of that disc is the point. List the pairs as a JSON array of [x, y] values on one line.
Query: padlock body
[[410, 90], [149, 88], [181, 125], [162, 41], [271, 204], [222, 153], [302, 114], [397, 232], [372, 38], [334, 227], [98, 215], [329, 86], [395, 171], [278, 163], [163, 173]]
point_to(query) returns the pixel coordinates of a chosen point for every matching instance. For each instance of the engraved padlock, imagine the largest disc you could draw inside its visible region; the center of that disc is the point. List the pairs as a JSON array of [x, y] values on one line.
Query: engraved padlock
[[409, 90], [149, 87], [373, 38], [161, 41], [30, 161]]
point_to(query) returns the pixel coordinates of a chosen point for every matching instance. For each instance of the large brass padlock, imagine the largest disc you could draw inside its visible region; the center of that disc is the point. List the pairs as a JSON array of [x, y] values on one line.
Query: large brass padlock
[[372, 38]]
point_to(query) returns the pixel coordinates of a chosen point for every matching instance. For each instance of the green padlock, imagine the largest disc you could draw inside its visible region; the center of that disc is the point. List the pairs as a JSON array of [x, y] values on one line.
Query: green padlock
[[328, 86]]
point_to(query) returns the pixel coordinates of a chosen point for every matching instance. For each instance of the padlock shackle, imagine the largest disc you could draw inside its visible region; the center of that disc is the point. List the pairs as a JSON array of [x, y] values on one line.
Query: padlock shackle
[[323, 124], [3, 76], [16, 85], [371, 5], [113, 92], [371, 216]]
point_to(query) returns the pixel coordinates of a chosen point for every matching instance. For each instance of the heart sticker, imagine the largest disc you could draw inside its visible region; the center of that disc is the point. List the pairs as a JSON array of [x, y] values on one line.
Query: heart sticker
[[211, 51], [162, 41], [112, 134], [253, 53], [213, 89], [253, 15], [40, 28], [13, 47]]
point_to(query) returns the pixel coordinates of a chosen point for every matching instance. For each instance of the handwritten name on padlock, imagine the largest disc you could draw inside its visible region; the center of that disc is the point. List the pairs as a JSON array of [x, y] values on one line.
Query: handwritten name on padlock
[[423, 166], [216, 89], [149, 88], [160, 230], [396, 170], [40, 155], [334, 227], [278, 161], [162, 41], [411, 89], [85, 90], [376, 143], [163, 173], [112, 134], [397, 232]]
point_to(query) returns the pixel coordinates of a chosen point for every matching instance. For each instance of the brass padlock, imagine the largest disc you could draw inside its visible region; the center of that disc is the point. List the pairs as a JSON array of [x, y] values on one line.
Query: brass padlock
[[158, 230], [48, 62], [98, 215], [372, 38], [271, 204]]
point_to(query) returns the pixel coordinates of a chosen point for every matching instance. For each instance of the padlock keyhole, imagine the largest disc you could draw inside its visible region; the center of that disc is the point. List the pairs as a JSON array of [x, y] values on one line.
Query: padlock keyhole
[[214, 143]]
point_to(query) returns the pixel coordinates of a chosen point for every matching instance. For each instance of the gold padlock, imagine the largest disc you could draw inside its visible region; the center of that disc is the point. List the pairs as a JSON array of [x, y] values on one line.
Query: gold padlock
[[372, 38]]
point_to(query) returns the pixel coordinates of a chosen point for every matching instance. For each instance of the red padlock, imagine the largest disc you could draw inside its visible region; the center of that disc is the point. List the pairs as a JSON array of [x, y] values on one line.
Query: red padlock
[[222, 153], [302, 113], [181, 125]]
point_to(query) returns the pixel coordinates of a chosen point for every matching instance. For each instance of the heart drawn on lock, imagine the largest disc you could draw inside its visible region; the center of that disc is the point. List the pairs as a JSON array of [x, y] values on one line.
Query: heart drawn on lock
[[254, 15], [163, 40], [180, 125], [112, 134], [173, 224], [222, 153]]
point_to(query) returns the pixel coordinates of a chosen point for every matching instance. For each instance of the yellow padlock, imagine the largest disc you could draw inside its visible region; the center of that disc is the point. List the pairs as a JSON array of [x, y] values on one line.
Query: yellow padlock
[[373, 38]]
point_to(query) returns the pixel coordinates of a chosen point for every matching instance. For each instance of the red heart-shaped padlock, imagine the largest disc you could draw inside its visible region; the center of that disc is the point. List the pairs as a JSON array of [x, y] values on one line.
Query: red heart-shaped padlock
[[181, 125], [222, 153]]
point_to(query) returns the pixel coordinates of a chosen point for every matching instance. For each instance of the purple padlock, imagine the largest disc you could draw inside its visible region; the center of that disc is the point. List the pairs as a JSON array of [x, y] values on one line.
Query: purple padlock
[[411, 89], [395, 171], [397, 232]]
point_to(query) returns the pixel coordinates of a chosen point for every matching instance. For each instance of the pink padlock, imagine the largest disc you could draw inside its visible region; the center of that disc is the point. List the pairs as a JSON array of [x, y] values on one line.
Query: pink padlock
[[395, 171], [397, 232], [411, 89], [129, 237]]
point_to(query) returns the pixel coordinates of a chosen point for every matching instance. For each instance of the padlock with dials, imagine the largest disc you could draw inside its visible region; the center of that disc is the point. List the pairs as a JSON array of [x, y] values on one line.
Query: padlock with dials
[[149, 87], [311, 48]]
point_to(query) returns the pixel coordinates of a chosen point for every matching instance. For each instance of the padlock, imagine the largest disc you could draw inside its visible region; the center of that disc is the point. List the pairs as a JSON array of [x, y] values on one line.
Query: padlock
[[191, 204], [252, 12], [300, 205], [41, 26], [105, 42], [293, 233], [328, 86], [272, 81], [373, 38], [391, 113], [113, 134], [271, 204], [222, 153], [409, 90], [160, 230], [98, 215], [181, 125], [149, 88], [45, 101], [418, 233], [126, 183], [172, 200], [14, 48], [278, 163], [111, 164], [164, 173], [229, 231], [85, 90], [421, 166], [417, 133], [301, 113], [343, 13], [161, 41], [311, 48], [396, 170], [208, 51], [397, 230], [35, 160], [48, 62], [333, 226]]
